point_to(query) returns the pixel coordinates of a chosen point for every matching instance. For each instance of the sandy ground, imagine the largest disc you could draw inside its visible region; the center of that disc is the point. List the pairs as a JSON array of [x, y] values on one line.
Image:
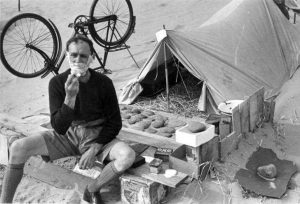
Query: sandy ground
[[23, 97]]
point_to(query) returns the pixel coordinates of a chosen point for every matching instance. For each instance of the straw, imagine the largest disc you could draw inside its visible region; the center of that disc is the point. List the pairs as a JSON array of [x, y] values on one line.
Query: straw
[[181, 103]]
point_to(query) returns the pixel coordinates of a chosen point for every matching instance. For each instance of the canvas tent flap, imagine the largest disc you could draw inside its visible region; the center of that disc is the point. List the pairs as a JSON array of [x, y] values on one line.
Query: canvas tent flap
[[246, 45], [130, 92]]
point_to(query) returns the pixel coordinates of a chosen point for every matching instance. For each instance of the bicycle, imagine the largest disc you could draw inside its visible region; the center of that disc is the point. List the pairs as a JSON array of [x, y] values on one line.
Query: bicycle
[[31, 45]]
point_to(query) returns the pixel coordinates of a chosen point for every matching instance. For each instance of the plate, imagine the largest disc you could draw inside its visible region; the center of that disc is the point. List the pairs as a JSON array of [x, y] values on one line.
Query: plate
[[228, 106]]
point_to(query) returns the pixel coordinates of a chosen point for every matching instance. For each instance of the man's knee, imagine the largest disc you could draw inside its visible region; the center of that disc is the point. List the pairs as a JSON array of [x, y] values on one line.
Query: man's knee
[[18, 149], [126, 156]]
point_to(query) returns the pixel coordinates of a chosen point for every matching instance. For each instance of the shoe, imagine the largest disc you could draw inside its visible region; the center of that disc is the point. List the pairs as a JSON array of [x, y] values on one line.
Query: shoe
[[267, 172], [92, 197]]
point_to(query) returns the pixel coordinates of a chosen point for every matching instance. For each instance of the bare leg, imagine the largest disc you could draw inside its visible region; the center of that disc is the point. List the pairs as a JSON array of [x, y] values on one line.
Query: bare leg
[[20, 151], [121, 157]]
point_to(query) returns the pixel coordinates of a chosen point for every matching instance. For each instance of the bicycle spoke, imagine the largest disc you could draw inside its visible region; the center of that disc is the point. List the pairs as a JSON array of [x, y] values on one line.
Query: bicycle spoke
[[101, 29], [32, 58], [26, 61], [123, 22], [20, 60], [29, 31], [107, 7], [16, 50], [21, 32], [38, 61]]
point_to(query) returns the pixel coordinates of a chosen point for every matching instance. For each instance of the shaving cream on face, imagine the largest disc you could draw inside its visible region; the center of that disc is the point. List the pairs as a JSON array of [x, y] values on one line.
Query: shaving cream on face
[[78, 68]]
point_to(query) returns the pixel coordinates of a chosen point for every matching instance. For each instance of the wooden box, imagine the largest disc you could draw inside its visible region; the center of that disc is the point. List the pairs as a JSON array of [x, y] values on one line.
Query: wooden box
[[138, 190], [204, 155], [178, 161]]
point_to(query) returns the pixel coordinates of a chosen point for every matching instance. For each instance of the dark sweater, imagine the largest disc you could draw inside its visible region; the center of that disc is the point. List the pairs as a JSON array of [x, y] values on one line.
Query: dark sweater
[[96, 100]]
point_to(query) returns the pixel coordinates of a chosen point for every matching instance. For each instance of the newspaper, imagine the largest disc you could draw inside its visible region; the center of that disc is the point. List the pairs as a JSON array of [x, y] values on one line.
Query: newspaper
[[93, 173]]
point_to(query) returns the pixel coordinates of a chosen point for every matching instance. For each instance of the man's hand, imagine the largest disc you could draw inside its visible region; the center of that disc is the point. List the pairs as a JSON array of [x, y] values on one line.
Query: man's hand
[[72, 89], [88, 159], [72, 86]]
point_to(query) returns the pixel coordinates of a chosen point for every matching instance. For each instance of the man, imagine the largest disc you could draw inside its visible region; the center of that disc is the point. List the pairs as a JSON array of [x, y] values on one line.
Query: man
[[85, 117]]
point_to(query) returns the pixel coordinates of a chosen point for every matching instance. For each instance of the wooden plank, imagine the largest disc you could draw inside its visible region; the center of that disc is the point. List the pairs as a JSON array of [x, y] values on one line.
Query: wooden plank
[[225, 126], [229, 144], [260, 107], [272, 110], [244, 111], [236, 120], [253, 111], [194, 153], [144, 171], [147, 138], [55, 175], [26, 128], [209, 150], [256, 108], [260, 101], [3, 149]]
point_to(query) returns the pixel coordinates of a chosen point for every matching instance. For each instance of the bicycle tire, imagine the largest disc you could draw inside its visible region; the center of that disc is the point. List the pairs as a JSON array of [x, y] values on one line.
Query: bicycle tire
[[124, 25], [19, 32], [59, 43]]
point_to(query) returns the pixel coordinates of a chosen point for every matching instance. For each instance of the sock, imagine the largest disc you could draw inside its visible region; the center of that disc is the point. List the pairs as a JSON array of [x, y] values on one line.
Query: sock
[[12, 178], [108, 173]]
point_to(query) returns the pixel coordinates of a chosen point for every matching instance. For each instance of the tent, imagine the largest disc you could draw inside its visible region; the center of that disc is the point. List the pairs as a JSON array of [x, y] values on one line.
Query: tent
[[246, 45]]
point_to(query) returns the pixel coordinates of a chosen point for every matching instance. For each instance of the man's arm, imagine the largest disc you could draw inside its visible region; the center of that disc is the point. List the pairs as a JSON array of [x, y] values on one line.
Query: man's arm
[[113, 123], [61, 104]]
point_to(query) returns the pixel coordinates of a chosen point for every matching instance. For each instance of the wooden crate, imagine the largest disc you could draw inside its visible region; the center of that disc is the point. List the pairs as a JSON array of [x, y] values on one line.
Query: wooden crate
[[206, 153], [138, 190]]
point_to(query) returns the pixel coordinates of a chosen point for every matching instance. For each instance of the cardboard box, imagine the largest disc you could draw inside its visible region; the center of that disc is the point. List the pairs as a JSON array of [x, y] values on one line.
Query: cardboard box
[[163, 154], [138, 190], [155, 165], [184, 136]]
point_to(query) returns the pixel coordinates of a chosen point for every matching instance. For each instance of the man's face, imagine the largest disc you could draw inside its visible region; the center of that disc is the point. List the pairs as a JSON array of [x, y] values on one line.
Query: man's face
[[79, 52]]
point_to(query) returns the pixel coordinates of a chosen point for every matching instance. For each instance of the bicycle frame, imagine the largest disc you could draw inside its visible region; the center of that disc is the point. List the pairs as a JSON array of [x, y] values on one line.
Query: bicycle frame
[[55, 67]]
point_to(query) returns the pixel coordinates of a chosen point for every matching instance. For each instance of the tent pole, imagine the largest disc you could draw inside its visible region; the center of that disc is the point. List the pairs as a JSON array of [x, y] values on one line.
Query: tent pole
[[179, 72], [167, 78]]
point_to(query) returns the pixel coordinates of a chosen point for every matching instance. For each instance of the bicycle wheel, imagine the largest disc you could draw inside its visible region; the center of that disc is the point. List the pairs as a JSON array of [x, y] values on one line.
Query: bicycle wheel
[[110, 33], [19, 34]]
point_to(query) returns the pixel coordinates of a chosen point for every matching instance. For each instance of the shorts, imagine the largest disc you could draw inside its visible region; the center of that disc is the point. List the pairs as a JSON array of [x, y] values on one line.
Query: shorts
[[77, 140]]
